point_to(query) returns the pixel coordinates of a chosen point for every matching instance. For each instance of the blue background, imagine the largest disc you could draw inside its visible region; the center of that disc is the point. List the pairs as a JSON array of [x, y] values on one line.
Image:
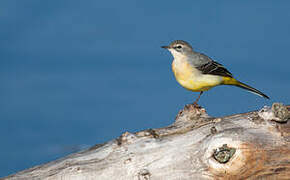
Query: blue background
[[78, 73]]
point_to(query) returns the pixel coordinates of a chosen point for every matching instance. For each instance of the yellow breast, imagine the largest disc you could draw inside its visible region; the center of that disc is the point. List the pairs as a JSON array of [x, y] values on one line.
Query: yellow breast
[[191, 78]]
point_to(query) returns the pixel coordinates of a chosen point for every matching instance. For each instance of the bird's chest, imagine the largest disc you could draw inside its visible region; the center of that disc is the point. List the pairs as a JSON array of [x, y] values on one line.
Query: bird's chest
[[184, 73], [191, 78]]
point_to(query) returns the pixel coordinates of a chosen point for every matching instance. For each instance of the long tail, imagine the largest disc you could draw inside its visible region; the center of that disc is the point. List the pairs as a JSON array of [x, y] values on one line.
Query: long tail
[[234, 82]]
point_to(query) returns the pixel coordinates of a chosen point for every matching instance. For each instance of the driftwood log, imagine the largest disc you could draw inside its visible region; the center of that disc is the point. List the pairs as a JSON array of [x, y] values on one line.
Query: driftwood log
[[254, 145]]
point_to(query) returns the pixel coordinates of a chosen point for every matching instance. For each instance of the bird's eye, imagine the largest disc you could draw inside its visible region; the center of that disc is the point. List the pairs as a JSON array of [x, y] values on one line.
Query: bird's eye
[[178, 47]]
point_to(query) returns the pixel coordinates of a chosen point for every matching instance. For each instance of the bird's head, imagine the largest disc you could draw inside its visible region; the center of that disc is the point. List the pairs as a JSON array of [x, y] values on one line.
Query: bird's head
[[179, 48]]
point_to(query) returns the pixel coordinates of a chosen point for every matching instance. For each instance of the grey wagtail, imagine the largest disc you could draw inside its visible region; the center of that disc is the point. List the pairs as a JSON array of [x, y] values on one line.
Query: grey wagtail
[[197, 72]]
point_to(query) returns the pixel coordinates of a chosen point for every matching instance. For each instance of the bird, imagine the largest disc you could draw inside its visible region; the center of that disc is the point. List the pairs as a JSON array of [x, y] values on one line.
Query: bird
[[198, 73]]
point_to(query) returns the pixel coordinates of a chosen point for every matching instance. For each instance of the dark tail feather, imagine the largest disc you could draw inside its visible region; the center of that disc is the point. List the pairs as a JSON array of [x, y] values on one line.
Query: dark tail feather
[[251, 89]]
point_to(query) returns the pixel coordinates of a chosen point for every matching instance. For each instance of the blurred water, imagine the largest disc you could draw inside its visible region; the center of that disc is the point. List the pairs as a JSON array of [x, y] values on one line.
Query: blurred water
[[75, 73]]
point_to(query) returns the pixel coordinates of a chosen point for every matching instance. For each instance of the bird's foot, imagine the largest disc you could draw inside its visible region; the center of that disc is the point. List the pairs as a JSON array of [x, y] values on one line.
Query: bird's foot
[[195, 105]]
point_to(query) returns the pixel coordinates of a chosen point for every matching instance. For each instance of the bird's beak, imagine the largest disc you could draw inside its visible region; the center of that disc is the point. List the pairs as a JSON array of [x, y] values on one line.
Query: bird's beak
[[165, 47]]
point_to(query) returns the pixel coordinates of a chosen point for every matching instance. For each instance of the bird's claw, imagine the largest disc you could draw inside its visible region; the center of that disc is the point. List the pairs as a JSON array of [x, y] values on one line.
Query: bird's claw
[[196, 105]]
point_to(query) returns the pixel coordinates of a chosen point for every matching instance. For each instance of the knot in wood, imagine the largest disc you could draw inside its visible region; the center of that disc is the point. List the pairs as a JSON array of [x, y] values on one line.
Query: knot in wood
[[144, 174], [223, 154], [280, 112], [213, 130]]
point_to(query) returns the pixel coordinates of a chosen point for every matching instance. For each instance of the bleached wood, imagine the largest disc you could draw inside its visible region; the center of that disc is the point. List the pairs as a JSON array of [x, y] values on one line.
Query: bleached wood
[[184, 151]]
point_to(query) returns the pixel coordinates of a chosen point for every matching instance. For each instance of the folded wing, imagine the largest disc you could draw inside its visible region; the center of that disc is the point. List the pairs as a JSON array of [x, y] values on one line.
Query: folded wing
[[214, 68]]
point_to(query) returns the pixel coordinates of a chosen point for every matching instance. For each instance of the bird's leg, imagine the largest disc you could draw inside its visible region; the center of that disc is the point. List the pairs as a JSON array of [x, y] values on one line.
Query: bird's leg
[[195, 102]]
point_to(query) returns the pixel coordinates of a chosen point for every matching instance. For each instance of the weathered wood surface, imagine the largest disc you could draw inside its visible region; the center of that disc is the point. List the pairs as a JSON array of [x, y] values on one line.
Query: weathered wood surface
[[254, 145]]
